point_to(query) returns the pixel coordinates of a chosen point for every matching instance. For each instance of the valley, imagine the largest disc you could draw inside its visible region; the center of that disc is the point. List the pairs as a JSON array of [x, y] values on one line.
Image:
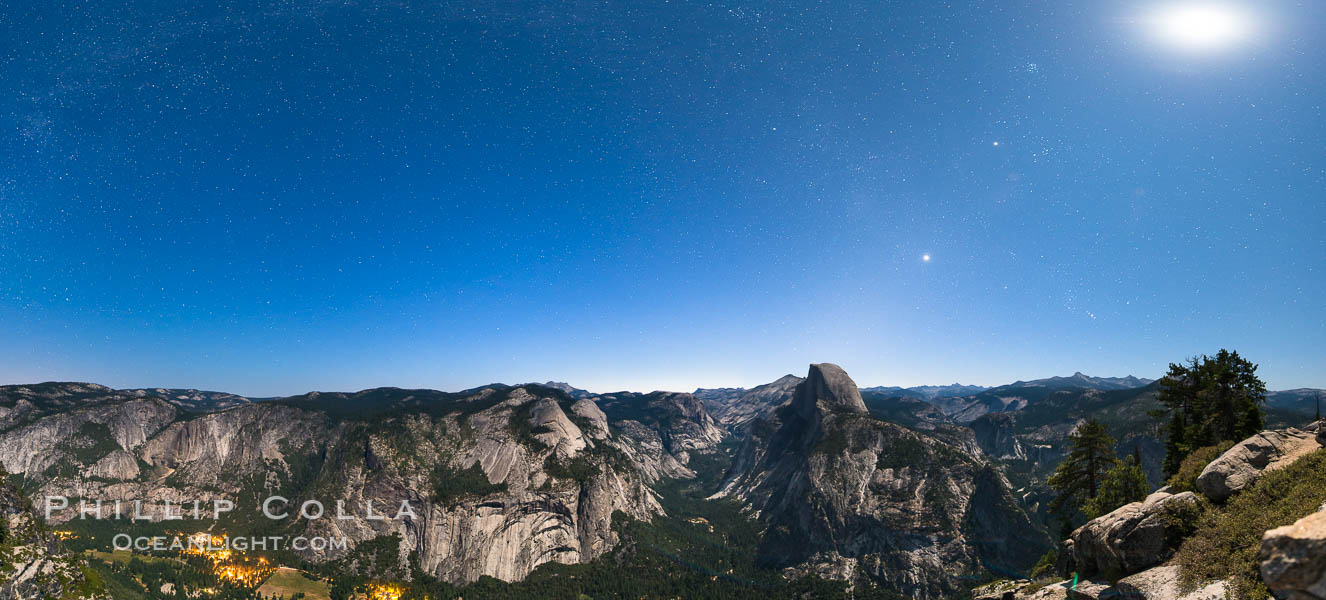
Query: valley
[[807, 487]]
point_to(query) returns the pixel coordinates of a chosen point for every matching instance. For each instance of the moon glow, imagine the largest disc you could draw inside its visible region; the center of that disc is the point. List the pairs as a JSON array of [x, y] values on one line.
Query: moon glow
[[1202, 26]]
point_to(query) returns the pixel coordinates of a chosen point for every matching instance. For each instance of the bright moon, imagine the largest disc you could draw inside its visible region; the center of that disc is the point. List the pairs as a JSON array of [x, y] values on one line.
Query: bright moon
[[1201, 26], [925, 257]]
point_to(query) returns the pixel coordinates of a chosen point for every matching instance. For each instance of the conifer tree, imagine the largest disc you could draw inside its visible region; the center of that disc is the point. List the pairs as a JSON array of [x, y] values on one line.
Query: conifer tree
[[1123, 483], [1077, 479], [1209, 400]]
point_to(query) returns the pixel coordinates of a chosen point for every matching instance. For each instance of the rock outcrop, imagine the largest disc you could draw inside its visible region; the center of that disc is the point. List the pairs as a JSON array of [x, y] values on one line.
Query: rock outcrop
[[551, 470], [846, 495], [1162, 583], [1293, 558], [554, 429], [1244, 464], [995, 436], [737, 414], [596, 420], [81, 433], [118, 465], [680, 421], [1158, 583], [828, 389], [32, 564], [1131, 538], [692, 428], [1022, 589]]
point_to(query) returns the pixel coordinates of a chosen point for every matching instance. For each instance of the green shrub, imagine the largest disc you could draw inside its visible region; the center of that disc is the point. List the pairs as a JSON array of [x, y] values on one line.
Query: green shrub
[[93, 442], [1185, 480], [1045, 566], [903, 450], [1123, 483], [581, 468], [1226, 540], [833, 443], [1039, 584], [1182, 519], [452, 484]]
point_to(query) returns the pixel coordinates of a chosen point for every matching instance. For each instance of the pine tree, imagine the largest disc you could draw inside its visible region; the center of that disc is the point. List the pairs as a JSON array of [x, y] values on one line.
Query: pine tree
[[1210, 400], [1077, 479], [1123, 483], [1176, 447]]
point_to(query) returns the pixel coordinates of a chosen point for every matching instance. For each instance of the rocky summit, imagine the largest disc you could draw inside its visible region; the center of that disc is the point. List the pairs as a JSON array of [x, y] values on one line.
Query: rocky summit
[[848, 496], [801, 488]]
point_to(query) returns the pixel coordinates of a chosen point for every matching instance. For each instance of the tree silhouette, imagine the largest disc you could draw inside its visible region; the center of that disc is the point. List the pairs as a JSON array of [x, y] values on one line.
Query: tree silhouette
[[1076, 480], [1123, 483], [1209, 400]]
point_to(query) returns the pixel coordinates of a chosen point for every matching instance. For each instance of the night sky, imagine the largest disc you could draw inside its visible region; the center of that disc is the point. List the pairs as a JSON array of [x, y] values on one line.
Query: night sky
[[269, 198]]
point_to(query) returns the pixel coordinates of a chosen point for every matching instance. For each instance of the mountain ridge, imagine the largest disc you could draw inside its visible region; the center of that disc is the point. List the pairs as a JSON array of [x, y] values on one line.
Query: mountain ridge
[[877, 490]]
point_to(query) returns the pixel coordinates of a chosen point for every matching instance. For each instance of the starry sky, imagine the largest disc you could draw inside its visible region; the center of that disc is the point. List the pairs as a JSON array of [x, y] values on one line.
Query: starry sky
[[274, 197]]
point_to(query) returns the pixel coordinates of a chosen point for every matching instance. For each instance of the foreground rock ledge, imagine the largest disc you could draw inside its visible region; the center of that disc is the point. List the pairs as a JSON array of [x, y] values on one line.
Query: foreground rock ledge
[[1159, 583], [1294, 558], [1248, 460], [1131, 538]]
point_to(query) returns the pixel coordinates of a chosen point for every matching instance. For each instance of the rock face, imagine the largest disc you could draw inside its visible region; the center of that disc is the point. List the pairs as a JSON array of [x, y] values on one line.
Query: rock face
[[691, 427], [680, 421], [1245, 463], [1131, 538], [116, 465], [530, 506], [1028, 590], [499, 480], [207, 450], [846, 495], [828, 389], [32, 565], [737, 414], [1294, 558], [1159, 583], [555, 429], [596, 420], [68, 441], [995, 436], [1162, 583]]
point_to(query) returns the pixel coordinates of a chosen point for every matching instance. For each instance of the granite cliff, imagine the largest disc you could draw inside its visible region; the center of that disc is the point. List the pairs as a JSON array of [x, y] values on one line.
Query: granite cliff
[[847, 496], [500, 479]]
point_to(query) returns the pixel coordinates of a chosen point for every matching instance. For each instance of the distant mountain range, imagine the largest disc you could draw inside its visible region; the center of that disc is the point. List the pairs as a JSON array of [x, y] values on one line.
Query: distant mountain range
[[915, 491], [929, 391], [1079, 380]]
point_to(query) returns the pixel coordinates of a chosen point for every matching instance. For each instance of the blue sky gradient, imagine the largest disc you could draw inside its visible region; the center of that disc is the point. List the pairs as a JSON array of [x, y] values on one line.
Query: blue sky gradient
[[270, 198]]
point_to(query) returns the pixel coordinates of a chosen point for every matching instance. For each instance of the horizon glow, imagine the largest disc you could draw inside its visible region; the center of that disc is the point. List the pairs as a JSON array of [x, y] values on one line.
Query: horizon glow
[[339, 196]]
